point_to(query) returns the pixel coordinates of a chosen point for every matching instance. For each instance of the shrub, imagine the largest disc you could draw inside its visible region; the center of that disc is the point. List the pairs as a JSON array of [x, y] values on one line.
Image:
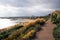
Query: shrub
[[5, 34], [26, 31], [55, 17], [37, 27], [56, 32], [40, 21], [29, 34], [32, 23], [17, 33]]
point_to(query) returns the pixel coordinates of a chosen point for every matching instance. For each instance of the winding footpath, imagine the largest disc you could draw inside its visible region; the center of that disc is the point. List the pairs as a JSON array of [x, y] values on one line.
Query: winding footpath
[[46, 33]]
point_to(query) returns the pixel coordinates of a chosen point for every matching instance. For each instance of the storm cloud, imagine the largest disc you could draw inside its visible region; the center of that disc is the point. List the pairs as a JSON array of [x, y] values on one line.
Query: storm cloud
[[27, 7]]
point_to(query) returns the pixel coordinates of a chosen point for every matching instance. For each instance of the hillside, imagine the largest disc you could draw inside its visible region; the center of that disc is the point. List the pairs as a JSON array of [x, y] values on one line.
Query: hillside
[[42, 28], [22, 32]]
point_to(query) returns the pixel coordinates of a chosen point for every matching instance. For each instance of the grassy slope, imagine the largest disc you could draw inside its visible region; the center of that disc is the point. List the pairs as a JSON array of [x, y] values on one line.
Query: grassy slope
[[24, 32]]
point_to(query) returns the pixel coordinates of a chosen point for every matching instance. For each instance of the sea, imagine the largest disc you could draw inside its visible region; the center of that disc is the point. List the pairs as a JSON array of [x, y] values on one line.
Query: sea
[[9, 22]]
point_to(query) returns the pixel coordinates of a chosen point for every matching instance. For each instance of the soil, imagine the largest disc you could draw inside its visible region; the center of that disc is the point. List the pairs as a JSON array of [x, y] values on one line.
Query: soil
[[46, 33]]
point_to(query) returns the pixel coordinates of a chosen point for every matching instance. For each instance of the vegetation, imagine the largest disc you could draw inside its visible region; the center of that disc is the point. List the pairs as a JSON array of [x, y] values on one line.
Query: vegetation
[[28, 30], [40, 21], [55, 18], [6, 33], [56, 32], [29, 34], [22, 32]]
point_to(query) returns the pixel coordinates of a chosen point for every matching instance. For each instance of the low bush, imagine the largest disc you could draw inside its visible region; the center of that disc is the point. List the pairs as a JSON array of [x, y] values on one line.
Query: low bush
[[55, 17], [6, 33], [25, 31], [40, 21], [29, 35], [56, 32]]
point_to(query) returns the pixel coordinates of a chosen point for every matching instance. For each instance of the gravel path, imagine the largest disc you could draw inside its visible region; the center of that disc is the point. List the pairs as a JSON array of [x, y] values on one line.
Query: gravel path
[[46, 33]]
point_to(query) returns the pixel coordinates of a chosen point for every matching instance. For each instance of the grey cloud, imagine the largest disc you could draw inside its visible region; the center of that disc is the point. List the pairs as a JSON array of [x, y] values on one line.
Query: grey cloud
[[29, 1], [24, 3], [26, 7]]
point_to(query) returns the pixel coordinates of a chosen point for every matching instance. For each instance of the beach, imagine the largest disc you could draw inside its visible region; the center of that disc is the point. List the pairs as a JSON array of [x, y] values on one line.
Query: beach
[[5, 23]]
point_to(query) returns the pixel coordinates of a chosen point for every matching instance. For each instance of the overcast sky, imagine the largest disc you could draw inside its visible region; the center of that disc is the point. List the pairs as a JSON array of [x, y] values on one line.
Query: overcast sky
[[27, 7]]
